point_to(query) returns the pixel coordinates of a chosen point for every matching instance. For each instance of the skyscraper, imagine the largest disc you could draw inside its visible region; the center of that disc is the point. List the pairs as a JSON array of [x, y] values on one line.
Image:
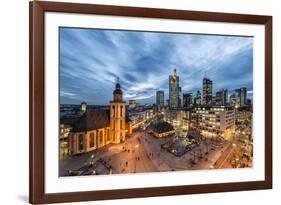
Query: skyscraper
[[187, 99], [173, 89], [198, 98], [243, 99], [237, 97], [207, 91], [180, 100], [232, 99], [241, 96], [221, 97], [160, 99]]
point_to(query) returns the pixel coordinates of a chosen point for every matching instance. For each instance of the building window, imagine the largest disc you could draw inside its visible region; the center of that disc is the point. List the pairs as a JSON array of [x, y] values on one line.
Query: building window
[[101, 136], [113, 110], [81, 142], [121, 112], [108, 138], [92, 140], [121, 124], [97, 138]]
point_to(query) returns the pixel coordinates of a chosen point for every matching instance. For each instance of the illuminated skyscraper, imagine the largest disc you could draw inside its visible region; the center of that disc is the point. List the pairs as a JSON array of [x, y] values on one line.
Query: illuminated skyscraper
[[221, 97], [180, 100], [160, 99], [207, 91], [187, 99], [174, 90], [198, 98], [241, 97]]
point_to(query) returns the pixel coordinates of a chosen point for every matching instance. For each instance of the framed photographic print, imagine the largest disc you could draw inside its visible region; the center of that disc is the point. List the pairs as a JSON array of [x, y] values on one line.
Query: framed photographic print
[[139, 102]]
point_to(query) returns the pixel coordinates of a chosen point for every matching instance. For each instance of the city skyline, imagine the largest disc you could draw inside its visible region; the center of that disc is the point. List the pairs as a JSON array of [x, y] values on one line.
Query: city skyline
[[144, 61]]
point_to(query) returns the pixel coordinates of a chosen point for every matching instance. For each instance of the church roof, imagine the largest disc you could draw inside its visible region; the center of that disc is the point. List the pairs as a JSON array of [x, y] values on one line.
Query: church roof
[[93, 119], [117, 91]]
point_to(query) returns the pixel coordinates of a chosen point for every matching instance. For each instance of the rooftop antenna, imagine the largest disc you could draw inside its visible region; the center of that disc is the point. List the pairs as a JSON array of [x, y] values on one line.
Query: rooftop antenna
[[117, 79]]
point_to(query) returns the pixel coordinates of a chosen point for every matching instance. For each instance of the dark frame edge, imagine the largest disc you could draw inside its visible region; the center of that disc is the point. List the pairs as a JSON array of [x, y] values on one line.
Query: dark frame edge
[[36, 103], [31, 190], [268, 102]]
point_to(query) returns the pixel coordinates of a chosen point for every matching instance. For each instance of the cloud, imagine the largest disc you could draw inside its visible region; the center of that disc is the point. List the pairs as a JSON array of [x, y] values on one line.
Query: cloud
[[92, 59]]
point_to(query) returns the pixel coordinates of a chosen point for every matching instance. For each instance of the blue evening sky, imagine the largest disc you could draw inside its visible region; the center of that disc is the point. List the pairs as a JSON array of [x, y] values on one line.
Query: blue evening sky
[[91, 59]]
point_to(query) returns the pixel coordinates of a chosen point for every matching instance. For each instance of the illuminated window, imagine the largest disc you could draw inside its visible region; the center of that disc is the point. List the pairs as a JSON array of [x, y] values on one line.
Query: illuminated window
[[101, 136], [92, 140], [121, 112], [81, 142], [113, 108]]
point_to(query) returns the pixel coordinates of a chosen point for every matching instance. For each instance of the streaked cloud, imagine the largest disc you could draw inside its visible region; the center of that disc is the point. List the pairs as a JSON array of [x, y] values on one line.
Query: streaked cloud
[[91, 59]]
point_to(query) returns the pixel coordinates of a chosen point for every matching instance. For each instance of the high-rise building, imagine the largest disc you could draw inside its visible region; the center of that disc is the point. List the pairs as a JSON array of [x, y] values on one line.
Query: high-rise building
[[174, 90], [207, 91], [180, 100], [160, 99], [238, 97], [241, 96], [187, 100], [198, 98], [232, 99], [221, 97], [243, 99]]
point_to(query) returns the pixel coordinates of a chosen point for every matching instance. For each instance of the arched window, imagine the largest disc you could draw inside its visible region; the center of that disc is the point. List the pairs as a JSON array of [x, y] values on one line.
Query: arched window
[[108, 138], [121, 111], [113, 111], [81, 142], [92, 140], [101, 137]]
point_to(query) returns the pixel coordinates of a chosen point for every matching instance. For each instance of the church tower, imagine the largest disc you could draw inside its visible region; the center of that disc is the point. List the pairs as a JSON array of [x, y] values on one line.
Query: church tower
[[117, 115]]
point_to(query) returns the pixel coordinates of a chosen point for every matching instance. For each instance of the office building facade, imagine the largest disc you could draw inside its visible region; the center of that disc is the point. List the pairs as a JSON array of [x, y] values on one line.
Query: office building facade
[[207, 91]]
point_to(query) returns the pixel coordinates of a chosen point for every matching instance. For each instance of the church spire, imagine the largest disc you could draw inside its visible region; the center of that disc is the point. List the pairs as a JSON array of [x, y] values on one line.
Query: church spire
[[117, 93], [117, 86]]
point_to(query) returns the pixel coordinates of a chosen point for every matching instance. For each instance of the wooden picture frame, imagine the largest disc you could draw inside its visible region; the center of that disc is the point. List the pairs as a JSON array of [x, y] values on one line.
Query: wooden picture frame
[[37, 95]]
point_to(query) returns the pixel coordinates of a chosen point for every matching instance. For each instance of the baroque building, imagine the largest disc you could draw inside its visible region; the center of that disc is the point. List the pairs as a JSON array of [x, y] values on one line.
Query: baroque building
[[117, 115], [96, 128]]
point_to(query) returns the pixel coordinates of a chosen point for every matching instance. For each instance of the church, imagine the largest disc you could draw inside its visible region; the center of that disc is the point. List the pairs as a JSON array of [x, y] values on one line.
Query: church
[[97, 128]]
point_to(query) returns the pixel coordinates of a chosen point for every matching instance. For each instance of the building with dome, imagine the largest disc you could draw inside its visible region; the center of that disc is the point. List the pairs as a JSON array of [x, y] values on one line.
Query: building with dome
[[96, 128]]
